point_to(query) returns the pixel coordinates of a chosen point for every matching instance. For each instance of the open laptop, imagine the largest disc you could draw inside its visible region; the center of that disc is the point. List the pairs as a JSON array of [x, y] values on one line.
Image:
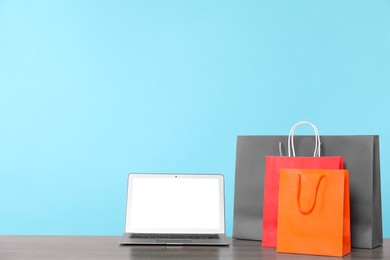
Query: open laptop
[[175, 209]]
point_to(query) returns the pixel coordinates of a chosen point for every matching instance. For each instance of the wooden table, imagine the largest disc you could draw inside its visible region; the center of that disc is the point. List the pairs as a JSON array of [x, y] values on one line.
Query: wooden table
[[106, 247]]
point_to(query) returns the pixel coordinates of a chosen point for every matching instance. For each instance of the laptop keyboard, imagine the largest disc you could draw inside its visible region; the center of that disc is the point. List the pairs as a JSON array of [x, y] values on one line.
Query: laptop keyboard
[[174, 236]]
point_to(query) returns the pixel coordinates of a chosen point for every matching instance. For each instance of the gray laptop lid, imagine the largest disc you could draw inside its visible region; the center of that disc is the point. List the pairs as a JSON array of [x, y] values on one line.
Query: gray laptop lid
[[175, 203]]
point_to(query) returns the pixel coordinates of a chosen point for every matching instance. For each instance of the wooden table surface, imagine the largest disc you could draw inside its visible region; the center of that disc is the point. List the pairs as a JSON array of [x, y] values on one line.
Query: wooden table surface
[[107, 247]]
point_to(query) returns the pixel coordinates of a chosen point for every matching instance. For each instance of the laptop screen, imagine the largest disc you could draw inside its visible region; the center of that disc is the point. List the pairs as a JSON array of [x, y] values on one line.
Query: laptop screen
[[168, 203]]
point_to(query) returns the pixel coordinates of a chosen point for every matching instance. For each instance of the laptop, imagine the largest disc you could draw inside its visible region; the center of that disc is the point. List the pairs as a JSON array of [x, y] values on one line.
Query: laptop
[[175, 209]]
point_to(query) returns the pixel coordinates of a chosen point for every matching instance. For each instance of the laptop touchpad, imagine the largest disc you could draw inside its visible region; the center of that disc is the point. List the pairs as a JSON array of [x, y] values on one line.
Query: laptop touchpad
[[174, 241]]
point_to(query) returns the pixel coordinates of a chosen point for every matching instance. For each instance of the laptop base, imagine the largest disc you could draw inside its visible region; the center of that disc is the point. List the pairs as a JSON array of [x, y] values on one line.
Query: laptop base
[[222, 241]]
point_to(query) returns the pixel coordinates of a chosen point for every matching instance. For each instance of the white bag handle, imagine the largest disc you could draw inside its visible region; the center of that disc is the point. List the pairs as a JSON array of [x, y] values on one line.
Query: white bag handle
[[317, 148]]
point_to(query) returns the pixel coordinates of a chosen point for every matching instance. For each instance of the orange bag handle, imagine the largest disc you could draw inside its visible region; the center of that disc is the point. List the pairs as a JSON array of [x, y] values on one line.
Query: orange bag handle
[[306, 212]]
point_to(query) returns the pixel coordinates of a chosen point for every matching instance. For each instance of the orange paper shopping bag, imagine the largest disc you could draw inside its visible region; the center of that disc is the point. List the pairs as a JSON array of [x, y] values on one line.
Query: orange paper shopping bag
[[314, 212]]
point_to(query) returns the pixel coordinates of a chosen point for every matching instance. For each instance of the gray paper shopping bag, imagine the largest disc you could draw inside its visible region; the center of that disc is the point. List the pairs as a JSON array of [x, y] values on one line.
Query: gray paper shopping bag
[[361, 158]]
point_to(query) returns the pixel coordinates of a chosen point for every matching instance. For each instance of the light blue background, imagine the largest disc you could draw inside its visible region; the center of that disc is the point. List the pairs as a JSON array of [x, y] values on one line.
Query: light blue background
[[93, 90]]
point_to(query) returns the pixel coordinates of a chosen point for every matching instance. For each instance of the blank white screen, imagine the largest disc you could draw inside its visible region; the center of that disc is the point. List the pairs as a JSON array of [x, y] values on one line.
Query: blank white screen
[[162, 204]]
